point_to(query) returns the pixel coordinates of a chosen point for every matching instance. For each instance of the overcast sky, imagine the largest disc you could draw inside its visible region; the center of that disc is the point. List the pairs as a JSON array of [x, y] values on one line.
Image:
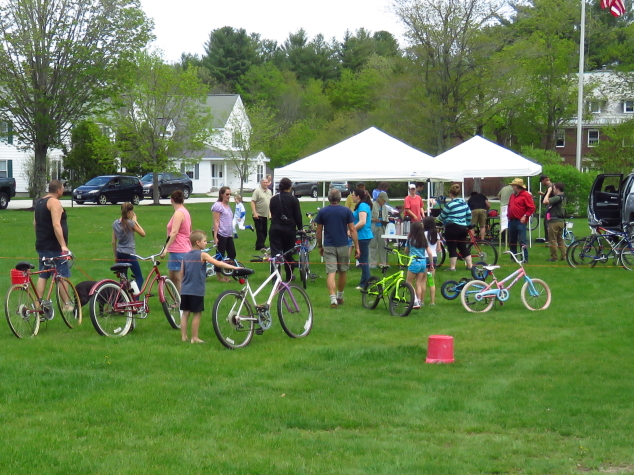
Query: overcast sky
[[183, 26]]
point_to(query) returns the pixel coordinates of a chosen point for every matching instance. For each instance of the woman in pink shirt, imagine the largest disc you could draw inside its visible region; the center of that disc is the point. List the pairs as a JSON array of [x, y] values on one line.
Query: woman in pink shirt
[[178, 230]]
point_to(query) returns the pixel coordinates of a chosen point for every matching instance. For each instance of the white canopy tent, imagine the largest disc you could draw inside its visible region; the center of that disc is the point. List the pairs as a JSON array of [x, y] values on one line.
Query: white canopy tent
[[369, 155]]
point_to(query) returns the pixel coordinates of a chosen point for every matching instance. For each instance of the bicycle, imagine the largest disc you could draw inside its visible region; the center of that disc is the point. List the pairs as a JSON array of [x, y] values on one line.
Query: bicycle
[[233, 314], [479, 297], [304, 244], [401, 294], [311, 231], [602, 245], [451, 289], [25, 310], [113, 305], [210, 269], [480, 250]]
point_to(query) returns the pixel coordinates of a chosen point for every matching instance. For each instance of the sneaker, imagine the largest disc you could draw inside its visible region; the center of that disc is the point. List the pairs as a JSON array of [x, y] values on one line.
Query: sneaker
[[235, 235], [450, 270], [333, 305], [248, 226], [416, 304], [339, 301], [358, 287]]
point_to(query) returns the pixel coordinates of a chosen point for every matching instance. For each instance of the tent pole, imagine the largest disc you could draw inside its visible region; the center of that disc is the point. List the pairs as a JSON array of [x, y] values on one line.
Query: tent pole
[[530, 233]]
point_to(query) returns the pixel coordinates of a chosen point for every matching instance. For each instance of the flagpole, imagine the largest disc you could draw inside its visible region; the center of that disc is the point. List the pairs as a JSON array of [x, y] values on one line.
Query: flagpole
[[582, 42]]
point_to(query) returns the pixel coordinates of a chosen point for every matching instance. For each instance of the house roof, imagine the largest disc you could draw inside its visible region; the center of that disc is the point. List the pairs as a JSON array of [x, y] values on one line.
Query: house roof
[[221, 106]]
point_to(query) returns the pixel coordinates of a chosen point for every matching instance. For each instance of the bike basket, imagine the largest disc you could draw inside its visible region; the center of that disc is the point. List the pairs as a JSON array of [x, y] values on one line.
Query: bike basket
[[569, 225], [19, 277]]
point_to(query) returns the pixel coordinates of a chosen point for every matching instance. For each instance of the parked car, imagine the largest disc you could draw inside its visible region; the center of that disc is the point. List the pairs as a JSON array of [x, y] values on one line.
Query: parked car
[[342, 186], [7, 191], [110, 188], [611, 200], [168, 183], [305, 188]]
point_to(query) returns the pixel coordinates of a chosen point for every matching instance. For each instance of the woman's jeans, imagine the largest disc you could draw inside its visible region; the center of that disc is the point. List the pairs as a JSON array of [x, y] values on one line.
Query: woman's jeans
[[136, 268], [364, 261]]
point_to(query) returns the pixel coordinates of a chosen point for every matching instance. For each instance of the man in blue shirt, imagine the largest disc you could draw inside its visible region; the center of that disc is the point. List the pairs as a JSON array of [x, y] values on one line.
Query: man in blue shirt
[[334, 223]]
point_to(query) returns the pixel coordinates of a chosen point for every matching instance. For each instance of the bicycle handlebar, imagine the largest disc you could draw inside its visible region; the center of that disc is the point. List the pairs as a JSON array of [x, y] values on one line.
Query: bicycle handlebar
[[153, 256], [514, 256]]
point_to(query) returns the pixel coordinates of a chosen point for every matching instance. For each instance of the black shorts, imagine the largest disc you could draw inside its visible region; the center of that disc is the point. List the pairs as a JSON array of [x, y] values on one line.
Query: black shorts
[[193, 303]]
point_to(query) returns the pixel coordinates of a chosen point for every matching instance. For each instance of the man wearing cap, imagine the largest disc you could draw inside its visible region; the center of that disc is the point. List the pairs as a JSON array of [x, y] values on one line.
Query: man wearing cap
[[378, 254], [413, 209], [521, 207]]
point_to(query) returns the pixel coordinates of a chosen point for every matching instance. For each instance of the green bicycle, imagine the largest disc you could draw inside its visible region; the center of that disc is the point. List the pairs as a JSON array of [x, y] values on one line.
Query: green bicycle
[[401, 294]]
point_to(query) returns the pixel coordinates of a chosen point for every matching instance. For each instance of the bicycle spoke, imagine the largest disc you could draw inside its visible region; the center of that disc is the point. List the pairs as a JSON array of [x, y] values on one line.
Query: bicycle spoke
[[295, 311], [21, 312]]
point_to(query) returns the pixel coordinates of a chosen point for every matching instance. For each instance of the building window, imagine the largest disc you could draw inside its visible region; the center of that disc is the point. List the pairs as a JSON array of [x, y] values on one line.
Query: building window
[[595, 107], [628, 107], [236, 140], [56, 170], [3, 169], [593, 138], [192, 171], [561, 138], [260, 173]]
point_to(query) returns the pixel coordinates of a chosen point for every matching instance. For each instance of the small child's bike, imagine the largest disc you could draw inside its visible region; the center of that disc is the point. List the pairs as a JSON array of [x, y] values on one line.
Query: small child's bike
[[451, 289], [401, 294], [478, 296]]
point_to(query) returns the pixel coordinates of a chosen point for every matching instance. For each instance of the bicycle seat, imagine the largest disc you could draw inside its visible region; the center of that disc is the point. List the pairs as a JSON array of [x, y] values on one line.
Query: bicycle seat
[[24, 266], [470, 226], [490, 268], [120, 267], [242, 271]]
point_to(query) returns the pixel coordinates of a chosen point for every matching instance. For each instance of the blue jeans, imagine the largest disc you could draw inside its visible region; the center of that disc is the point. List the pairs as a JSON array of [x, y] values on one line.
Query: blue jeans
[[364, 261], [517, 235], [136, 268]]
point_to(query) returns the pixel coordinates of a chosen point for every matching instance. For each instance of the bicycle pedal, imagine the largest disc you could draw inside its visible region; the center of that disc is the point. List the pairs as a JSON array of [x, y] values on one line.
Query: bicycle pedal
[[259, 331]]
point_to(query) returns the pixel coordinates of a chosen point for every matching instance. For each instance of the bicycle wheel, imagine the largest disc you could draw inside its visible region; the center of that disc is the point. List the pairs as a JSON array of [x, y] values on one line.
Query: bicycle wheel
[[533, 222], [233, 333], [372, 293], [20, 309], [626, 256], [450, 290], [441, 255], [483, 251], [171, 302], [469, 300], [478, 272], [312, 242], [68, 302], [304, 270], [582, 252], [402, 299], [493, 233], [536, 297], [107, 320], [569, 237], [295, 311]]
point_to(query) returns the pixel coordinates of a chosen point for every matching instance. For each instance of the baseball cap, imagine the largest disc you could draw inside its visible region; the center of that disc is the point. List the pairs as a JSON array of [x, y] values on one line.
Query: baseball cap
[[412, 186], [383, 196]]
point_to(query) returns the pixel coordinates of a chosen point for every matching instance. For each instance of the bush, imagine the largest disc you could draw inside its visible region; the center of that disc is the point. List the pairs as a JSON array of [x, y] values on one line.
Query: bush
[[577, 186]]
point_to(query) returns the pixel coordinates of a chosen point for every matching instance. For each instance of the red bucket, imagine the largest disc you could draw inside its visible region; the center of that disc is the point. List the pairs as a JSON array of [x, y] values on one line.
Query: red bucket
[[19, 277]]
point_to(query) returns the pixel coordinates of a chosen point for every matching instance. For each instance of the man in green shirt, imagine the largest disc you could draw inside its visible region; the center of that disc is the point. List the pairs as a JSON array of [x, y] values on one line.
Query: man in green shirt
[[554, 201]]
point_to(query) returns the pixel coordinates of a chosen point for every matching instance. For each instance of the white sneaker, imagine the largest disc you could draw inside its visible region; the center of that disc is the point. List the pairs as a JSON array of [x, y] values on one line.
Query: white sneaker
[[416, 304]]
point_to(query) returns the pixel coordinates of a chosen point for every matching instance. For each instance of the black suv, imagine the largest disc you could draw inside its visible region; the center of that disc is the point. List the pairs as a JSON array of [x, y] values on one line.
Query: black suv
[[110, 188], [611, 200], [305, 188], [167, 183]]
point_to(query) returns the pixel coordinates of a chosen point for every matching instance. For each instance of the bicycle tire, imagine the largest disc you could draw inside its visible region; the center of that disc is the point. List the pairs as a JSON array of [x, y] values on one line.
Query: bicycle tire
[[171, 303], [441, 255], [569, 237], [372, 293], [478, 272], [70, 309], [582, 253], [304, 270], [231, 333], [402, 299], [493, 232], [449, 290], [106, 320], [470, 303], [533, 222], [295, 311], [541, 299], [20, 308], [626, 256], [483, 251]]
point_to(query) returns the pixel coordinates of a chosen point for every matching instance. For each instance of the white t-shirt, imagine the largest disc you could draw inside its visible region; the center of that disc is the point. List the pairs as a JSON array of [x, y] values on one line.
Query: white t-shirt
[[239, 213], [432, 246]]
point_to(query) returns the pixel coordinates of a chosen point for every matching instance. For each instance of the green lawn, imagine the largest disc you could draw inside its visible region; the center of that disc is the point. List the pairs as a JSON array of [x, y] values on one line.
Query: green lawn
[[530, 392]]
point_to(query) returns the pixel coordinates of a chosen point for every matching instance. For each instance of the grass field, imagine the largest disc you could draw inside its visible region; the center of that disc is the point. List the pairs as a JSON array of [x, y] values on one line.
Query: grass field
[[530, 392]]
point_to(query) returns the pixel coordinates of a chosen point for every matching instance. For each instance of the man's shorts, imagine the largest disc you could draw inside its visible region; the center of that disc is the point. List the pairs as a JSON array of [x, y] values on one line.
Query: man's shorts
[[417, 266], [193, 303], [337, 259], [479, 217], [175, 261], [60, 264]]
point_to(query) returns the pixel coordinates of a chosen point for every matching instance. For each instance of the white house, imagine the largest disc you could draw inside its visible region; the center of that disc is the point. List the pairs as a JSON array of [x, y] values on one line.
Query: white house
[[14, 161], [216, 169]]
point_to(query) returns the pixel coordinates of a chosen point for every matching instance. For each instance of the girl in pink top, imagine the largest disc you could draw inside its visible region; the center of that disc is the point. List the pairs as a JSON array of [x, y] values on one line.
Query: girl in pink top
[[178, 230]]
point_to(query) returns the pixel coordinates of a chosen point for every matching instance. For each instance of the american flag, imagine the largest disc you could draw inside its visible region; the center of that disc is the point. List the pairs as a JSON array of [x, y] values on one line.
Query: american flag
[[617, 7]]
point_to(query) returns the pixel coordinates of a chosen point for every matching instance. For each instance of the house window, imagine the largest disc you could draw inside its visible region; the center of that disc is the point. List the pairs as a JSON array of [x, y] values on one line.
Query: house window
[[56, 169], [595, 107], [4, 172], [561, 138], [6, 132], [236, 140], [192, 171], [628, 107], [260, 173], [593, 138]]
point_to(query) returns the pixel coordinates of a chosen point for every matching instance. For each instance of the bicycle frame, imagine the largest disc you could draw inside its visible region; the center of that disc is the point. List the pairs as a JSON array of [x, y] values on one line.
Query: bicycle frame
[[48, 262], [501, 292]]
